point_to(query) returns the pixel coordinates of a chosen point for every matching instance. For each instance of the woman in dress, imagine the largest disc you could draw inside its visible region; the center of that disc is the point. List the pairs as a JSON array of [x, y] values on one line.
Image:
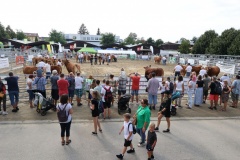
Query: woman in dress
[[191, 86], [198, 99], [94, 107], [225, 95]]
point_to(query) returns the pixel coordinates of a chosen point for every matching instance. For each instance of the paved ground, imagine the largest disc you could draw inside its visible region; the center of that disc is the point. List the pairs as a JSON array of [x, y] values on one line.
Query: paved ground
[[189, 140]]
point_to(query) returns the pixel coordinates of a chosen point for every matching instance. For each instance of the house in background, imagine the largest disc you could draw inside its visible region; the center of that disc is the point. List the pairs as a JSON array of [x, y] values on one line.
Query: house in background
[[32, 36]]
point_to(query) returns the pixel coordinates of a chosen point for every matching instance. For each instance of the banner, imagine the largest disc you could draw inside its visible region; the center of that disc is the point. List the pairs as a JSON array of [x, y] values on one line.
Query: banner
[[203, 63], [49, 48], [182, 60], [226, 68], [30, 57], [191, 61], [4, 63], [19, 60]]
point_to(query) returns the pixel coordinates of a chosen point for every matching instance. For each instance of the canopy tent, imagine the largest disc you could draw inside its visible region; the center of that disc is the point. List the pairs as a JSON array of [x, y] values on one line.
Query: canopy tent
[[116, 52], [87, 49]]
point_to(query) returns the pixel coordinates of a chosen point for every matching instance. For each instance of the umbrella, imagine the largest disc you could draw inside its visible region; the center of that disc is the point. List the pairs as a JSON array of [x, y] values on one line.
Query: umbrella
[[87, 49]]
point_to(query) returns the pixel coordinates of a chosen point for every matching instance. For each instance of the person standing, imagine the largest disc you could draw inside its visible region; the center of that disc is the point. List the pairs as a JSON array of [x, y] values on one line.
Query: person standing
[[142, 116], [94, 107], [225, 94], [162, 90], [206, 81], [91, 59], [78, 89], [98, 88], [189, 70], [62, 85], [202, 72], [213, 95], [48, 70], [3, 98], [40, 82], [151, 141], [30, 90], [54, 86], [225, 77], [113, 84], [122, 83], [164, 59], [191, 87], [152, 87], [235, 91], [65, 126], [71, 87], [135, 77], [179, 87], [106, 93], [198, 99], [178, 68], [41, 64], [13, 90]]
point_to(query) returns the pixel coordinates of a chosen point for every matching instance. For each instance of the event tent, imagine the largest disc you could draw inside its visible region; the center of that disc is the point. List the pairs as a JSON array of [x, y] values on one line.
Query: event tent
[[87, 49]]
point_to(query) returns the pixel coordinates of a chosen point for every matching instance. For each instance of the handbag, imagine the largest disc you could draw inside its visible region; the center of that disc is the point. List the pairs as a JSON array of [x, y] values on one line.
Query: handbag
[[134, 122], [2, 95]]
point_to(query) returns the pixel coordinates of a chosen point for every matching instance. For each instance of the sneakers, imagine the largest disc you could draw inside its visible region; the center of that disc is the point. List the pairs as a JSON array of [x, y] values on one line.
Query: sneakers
[[4, 113], [156, 129], [154, 108], [166, 131], [120, 156], [79, 104], [14, 110], [131, 150], [141, 144], [150, 107]]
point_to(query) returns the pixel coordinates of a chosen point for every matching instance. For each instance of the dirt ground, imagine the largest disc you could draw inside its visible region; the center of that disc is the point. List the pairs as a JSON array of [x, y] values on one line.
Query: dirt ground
[[84, 112]]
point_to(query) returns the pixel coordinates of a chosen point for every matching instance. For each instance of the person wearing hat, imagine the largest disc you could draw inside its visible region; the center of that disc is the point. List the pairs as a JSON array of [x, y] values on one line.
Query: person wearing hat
[[135, 77]]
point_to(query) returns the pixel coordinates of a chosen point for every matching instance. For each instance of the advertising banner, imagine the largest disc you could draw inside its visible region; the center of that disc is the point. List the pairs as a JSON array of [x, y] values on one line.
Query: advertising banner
[[4, 63], [19, 60]]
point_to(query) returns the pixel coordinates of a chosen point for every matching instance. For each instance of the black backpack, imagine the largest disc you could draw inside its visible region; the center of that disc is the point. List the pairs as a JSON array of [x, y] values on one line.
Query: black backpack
[[100, 107], [134, 128], [171, 86], [108, 95], [218, 88], [62, 116]]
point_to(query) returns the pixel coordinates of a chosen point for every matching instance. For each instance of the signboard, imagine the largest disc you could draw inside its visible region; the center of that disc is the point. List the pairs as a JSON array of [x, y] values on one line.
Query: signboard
[[4, 63], [19, 60], [30, 57], [226, 69]]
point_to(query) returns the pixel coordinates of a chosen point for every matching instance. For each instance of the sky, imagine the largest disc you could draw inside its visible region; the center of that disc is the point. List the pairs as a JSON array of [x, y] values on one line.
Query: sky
[[168, 20]]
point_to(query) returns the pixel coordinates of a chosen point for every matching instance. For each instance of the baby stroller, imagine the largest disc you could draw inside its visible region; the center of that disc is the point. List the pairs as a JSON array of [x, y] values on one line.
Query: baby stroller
[[43, 104], [123, 104], [175, 95]]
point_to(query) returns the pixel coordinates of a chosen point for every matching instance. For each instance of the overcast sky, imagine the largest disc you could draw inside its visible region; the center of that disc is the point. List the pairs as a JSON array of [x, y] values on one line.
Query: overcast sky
[[166, 19]]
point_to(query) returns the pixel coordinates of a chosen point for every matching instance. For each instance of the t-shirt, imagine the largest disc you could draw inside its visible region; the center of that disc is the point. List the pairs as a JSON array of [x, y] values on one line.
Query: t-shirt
[[200, 83], [135, 82], [151, 137], [163, 88], [54, 80], [59, 63], [127, 129], [202, 72], [67, 109], [122, 83], [12, 83], [98, 89], [143, 115], [179, 86], [224, 78], [192, 84], [189, 68], [236, 85], [71, 82], [153, 85], [62, 86], [178, 68], [212, 88], [78, 82], [29, 80], [41, 64], [206, 83], [103, 92], [48, 68], [167, 85]]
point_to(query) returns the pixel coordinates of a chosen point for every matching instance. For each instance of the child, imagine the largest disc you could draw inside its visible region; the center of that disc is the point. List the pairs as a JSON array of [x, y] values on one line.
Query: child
[[151, 141], [162, 90], [128, 135]]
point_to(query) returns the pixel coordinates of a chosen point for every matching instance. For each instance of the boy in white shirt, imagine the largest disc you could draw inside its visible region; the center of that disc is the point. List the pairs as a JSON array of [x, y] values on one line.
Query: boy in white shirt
[[189, 70], [128, 135]]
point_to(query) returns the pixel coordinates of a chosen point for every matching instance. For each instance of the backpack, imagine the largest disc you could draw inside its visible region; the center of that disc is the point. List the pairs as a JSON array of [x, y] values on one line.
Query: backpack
[[171, 86], [62, 116], [100, 107], [218, 88], [134, 128], [108, 95]]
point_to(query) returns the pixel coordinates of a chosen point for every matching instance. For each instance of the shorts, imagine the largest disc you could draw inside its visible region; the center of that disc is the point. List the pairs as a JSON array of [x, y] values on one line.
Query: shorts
[[31, 95], [134, 92], [55, 94], [167, 114], [127, 143], [71, 93], [205, 93], [48, 75], [14, 97], [188, 74], [120, 92], [152, 99], [106, 105], [78, 93], [89, 95], [177, 73], [235, 97], [149, 147], [213, 97]]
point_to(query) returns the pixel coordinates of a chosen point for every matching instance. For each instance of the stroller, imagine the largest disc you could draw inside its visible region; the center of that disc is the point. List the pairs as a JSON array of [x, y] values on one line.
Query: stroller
[[123, 104], [175, 95], [43, 104]]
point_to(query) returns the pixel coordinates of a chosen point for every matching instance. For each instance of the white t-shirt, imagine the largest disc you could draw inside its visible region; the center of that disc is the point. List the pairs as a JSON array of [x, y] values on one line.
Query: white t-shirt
[[81, 55], [127, 130], [189, 68], [167, 85], [59, 63], [103, 92], [68, 107], [41, 64], [179, 86], [163, 88], [48, 68], [223, 78], [78, 82], [202, 72], [29, 81], [192, 84], [164, 58], [178, 68]]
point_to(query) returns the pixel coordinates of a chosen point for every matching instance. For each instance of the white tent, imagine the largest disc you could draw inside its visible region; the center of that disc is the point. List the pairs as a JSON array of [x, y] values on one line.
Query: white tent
[[117, 52]]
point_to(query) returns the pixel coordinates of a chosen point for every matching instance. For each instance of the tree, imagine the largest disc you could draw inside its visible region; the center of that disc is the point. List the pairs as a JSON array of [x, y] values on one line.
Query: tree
[[131, 39], [159, 42], [194, 39], [20, 35], [10, 34], [234, 48], [98, 32], [2, 31], [140, 40], [83, 30], [204, 41], [36, 39], [56, 36], [150, 41], [184, 47], [107, 39]]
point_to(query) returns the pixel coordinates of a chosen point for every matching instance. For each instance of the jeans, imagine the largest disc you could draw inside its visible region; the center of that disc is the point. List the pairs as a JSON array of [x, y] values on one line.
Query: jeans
[[141, 134], [65, 127], [152, 99], [81, 60], [48, 75], [190, 99], [188, 74], [3, 99], [178, 101], [13, 96]]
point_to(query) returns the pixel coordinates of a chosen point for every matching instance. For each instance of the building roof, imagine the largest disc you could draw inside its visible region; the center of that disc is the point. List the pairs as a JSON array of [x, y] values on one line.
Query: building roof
[[31, 34]]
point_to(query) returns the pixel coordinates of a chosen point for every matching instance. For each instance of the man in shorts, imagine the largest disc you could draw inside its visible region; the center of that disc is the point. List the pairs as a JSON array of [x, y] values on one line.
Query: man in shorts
[[206, 82], [78, 89], [213, 95], [235, 91], [135, 77]]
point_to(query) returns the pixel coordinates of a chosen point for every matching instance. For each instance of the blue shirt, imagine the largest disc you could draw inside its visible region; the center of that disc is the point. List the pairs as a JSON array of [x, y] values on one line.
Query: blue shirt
[[236, 86], [12, 83], [40, 82], [54, 80], [71, 81]]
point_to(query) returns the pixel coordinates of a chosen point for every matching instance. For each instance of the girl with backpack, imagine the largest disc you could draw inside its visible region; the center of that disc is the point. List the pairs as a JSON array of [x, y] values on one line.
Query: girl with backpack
[[94, 107], [107, 99], [64, 113]]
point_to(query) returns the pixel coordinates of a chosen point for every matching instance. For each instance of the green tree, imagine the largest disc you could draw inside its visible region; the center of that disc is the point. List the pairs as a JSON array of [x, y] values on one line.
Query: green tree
[[20, 35], [234, 48], [194, 39], [131, 39], [2, 31], [140, 40], [10, 33], [159, 42], [184, 47], [107, 39], [98, 32], [56, 36], [150, 41], [204, 41], [36, 39], [83, 30]]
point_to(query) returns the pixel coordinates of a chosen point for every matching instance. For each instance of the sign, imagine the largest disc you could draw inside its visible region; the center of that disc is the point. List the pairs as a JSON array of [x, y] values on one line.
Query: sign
[[4, 63], [19, 60], [191, 61], [226, 68], [182, 60], [30, 57]]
